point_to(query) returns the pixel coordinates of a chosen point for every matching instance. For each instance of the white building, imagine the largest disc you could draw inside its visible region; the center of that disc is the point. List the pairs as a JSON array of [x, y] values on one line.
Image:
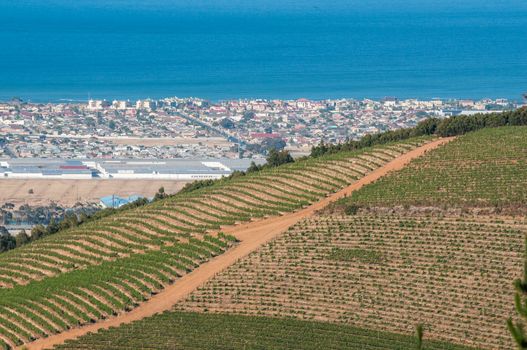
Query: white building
[[97, 104], [146, 104], [121, 105]]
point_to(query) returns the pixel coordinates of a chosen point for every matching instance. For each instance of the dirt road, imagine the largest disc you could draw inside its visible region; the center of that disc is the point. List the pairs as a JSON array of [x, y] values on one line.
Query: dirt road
[[251, 235]]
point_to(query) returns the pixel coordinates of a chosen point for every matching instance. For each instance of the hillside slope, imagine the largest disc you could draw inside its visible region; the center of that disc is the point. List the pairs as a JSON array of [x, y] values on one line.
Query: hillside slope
[[109, 266], [251, 235], [429, 244], [178, 330], [383, 272], [483, 169], [444, 258]]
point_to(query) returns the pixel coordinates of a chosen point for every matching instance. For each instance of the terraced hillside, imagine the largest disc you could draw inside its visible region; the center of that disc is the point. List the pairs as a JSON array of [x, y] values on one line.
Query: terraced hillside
[[392, 268], [383, 272], [109, 266], [387, 269], [177, 330], [481, 169]]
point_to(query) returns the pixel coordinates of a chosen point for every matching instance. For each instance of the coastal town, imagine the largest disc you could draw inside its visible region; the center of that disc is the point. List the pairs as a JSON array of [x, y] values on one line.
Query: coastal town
[[192, 128]]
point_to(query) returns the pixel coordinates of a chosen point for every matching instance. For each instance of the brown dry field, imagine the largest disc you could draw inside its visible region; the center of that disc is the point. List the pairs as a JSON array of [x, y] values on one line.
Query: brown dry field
[[251, 236], [69, 192]]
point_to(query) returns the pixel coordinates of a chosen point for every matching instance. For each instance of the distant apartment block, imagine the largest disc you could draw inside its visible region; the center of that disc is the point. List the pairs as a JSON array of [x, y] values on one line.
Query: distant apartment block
[[98, 104]]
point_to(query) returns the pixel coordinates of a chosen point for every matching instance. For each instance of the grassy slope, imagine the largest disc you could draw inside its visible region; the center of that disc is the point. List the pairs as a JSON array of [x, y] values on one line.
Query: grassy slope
[[176, 330], [454, 273], [391, 272], [108, 266], [484, 168], [383, 272], [264, 287]]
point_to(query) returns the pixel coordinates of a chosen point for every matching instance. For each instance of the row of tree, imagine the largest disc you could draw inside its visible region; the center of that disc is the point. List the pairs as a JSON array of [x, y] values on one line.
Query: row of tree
[[452, 126], [274, 158]]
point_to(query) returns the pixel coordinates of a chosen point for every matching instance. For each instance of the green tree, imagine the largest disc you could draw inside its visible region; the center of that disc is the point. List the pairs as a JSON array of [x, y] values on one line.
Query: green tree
[[196, 185], [7, 242], [520, 300], [253, 167], [38, 232], [21, 238], [70, 220], [160, 194], [83, 218], [53, 227], [276, 158], [320, 149], [426, 127], [419, 330]]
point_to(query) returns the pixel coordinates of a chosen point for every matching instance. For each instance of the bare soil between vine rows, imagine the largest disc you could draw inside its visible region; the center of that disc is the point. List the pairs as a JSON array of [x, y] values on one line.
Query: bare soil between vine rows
[[251, 235]]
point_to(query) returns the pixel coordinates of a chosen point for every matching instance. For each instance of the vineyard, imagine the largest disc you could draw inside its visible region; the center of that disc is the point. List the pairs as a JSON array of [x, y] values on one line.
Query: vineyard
[[383, 272], [481, 169], [177, 330], [109, 266]]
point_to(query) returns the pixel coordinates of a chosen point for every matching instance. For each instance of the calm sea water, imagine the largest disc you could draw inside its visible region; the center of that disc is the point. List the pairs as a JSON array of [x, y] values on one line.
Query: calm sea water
[[133, 54]]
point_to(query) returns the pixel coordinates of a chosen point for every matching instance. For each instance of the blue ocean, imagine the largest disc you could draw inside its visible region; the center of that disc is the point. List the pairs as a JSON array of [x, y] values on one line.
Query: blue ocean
[[55, 51]]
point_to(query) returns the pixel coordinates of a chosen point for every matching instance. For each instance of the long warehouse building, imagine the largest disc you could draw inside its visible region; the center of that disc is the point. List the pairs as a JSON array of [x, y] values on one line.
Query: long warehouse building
[[162, 169]]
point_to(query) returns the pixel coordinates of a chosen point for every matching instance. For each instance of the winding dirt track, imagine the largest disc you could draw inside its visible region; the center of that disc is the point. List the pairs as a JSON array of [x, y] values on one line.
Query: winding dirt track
[[251, 235]]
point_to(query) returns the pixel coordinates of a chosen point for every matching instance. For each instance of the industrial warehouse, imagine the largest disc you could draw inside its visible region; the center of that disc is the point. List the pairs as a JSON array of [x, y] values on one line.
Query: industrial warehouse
[[166, 169]]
